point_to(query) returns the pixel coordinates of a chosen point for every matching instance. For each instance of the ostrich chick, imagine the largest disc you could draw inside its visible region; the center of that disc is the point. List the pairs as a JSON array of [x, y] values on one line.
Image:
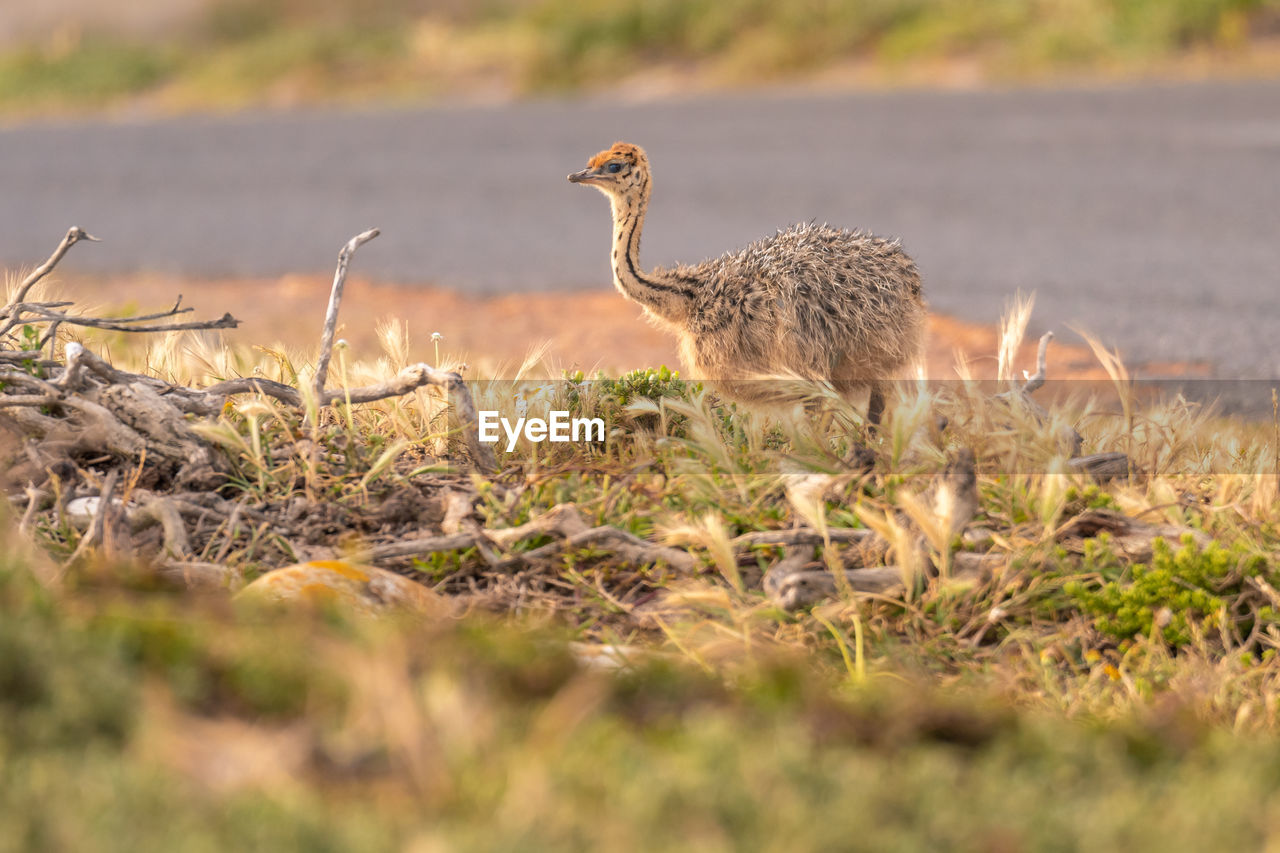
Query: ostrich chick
[[811, 302]]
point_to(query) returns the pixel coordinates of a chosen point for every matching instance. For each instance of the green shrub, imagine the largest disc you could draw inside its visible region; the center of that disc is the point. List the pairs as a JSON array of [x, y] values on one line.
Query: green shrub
[[1181, 594]]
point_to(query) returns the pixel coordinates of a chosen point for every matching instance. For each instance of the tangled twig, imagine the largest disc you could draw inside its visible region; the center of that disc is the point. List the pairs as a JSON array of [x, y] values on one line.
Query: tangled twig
[[81, 411], [335, 302]]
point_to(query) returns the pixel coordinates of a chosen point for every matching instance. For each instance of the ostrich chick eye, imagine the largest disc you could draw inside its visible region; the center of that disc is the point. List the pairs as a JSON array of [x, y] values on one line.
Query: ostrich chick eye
[[613, 168]]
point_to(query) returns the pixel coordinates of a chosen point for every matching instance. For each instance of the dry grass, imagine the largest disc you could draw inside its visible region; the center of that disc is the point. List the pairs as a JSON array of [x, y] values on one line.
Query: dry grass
[[934, 716]]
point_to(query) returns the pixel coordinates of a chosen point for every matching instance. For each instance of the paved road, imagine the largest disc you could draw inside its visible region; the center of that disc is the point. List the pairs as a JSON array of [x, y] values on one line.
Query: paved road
[[1149, 215]]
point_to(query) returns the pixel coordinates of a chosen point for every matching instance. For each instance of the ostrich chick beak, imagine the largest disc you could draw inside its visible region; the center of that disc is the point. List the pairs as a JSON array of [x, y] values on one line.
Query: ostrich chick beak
[[586, 176]]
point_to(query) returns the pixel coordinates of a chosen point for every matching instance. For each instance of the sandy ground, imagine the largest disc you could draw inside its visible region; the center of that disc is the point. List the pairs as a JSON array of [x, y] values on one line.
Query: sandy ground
[[595, 330]]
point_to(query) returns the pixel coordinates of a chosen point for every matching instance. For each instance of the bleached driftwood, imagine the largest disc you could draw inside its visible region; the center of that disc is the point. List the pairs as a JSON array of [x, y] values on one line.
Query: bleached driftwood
[[87, 405], [922, 542], [80, 407], [407, 381], [19, 311], [1130, 537], [797, 581], [798, 589], [802, 536], [564, 522], [627, 546], [335, 302], [422, 547], [74, 235], [1102, 467], [1035, 380]]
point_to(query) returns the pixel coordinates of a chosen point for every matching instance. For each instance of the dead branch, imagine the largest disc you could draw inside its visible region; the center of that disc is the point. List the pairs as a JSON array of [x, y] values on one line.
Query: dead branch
[[28, 400], [139, 407], [629, 547], [797, 581], [1020, 397], [1035, 380], [73, 373], [1130, 537], [100, 429], [32, 423], [416, 376], [34, 497], [165, 513], [407, 381], [202, 576], [465, 408], [74, 235], [335, 301], [286, 394], [46, 308], [97, 530], [1103, 467], [226, 321], [63, 304], [232, 529], [458, 511], [85, 412], [22, 378], [26, 357], [563, 520], [117, 409], [419, 547], [800, 589], [801, 536], [19, 311], [80, 362]]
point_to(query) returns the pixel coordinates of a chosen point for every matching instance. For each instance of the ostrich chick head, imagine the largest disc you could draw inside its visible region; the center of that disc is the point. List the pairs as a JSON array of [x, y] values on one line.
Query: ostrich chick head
[[620, 172]]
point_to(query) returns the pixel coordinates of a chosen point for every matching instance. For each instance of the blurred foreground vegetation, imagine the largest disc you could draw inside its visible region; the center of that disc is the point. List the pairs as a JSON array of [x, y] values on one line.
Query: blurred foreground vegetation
[[284, 52], [135, 718]]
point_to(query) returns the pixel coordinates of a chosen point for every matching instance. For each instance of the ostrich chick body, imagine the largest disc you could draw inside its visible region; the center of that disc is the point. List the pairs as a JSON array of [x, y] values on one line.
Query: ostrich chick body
[[811, 302]]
